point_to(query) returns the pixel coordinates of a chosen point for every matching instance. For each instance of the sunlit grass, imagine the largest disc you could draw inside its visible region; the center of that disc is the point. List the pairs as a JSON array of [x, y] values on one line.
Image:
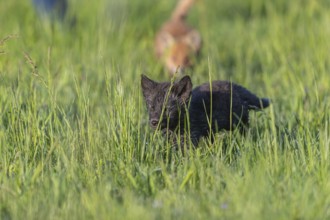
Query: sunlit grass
[[74, 136]]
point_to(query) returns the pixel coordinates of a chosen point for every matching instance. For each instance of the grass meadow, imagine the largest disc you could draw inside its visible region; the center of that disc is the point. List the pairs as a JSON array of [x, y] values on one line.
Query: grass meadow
[[74, 136]]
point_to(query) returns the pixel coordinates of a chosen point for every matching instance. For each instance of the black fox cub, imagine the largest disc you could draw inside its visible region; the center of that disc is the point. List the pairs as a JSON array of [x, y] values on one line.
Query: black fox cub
[[224, 105]]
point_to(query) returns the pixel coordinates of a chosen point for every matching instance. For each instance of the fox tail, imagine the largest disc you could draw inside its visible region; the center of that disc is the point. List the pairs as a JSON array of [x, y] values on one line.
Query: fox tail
[[181, 10]]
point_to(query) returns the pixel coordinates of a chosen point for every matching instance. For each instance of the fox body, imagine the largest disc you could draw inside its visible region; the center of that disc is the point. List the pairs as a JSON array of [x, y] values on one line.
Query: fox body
[[210, 108], [176, 42]]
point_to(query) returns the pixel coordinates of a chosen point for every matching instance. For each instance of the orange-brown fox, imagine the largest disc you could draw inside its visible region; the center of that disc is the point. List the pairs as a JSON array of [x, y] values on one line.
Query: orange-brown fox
[[176, 42]]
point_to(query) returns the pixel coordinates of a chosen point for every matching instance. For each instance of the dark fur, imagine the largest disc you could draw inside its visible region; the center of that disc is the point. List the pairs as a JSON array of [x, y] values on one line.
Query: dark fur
[[226, 105]]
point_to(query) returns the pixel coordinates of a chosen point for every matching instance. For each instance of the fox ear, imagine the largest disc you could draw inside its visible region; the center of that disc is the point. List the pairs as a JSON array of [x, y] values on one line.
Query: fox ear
[[163, 41], [194, 40], [167, 39], [182, 89], [147, 85]]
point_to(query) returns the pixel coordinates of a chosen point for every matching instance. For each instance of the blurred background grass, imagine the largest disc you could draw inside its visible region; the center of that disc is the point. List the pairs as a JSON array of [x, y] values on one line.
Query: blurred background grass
[[74, 138]]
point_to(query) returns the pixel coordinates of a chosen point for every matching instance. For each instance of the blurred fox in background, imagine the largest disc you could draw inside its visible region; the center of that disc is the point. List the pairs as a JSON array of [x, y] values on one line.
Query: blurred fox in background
[[176, 42]]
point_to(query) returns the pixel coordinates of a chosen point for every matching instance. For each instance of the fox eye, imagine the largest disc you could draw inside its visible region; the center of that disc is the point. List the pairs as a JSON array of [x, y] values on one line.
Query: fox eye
[[168, 109], [152, 107], [159, 99]]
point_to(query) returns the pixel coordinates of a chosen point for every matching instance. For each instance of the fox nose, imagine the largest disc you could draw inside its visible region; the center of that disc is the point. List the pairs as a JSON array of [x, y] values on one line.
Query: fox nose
[[154, 122]]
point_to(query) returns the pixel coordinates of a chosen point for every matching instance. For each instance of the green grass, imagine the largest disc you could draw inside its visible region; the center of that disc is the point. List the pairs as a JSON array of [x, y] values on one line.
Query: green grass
[[74, 136]]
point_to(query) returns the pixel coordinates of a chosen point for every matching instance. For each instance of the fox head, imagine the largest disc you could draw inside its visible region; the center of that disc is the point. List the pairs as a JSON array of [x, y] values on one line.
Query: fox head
[[181, 51], [165, 101], [179, 57]]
